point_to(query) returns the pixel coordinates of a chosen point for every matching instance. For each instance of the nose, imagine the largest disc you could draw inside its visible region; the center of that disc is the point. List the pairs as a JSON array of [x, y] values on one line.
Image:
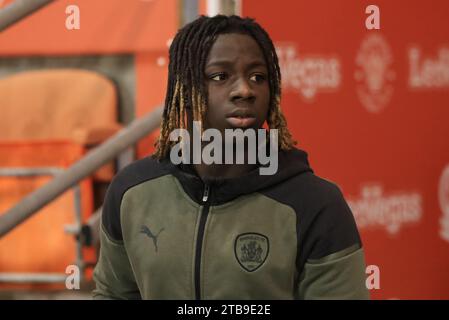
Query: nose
[[242, 90]]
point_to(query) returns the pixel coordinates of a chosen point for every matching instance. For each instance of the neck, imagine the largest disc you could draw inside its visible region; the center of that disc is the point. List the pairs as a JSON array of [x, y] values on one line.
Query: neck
[[223, 171]]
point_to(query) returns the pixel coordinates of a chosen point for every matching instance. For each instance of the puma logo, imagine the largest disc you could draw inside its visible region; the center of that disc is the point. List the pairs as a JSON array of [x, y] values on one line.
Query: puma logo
[[144, 229]]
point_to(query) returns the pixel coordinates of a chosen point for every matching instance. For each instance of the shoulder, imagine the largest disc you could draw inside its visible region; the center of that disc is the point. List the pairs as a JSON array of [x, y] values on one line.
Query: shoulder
[[306, 192], [137, 172], [323, 187], [132, 175], [325, 223]]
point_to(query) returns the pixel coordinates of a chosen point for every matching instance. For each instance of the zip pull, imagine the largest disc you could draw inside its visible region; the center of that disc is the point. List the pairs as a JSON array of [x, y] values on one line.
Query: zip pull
[[206, 193]]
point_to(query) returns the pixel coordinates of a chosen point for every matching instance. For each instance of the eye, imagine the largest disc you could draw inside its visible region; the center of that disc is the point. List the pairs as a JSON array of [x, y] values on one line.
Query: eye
[[218, 77], [258, 77]]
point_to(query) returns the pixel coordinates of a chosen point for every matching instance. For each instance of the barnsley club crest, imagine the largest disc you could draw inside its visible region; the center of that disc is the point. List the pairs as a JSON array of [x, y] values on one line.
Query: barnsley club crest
[[251, 250]]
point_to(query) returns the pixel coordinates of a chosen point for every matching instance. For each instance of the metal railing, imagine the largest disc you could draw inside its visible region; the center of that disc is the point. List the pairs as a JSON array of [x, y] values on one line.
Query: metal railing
[[66, 179], [72, 229], [118, 145], [18, 10]]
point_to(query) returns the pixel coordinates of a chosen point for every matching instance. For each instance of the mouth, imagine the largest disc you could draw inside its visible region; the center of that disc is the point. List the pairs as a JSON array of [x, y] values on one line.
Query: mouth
[[240, 118]]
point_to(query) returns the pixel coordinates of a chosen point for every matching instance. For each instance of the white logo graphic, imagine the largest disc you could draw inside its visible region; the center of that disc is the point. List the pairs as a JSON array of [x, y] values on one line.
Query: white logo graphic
[[374, 74], [309, 74], [373, 209], [443, 196], [427, 72]]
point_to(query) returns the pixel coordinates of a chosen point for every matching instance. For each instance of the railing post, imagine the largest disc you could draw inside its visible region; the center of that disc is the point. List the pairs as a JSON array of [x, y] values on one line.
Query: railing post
[[83, 168], [18, 10]]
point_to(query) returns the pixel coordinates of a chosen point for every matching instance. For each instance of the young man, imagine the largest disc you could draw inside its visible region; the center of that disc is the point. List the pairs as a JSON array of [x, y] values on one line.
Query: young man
[[224, 230]]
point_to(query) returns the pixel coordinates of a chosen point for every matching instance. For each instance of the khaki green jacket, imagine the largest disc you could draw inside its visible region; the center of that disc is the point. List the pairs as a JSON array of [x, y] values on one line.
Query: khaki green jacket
[[166, 234]]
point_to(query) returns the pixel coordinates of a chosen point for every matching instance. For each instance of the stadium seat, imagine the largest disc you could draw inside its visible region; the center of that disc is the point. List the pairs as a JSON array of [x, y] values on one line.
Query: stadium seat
[[49, 120]]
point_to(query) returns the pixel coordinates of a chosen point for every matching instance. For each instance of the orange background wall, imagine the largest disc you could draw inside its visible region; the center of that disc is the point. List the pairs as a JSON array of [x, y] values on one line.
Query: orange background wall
[[139, 27], [397, 154], [392, 163]]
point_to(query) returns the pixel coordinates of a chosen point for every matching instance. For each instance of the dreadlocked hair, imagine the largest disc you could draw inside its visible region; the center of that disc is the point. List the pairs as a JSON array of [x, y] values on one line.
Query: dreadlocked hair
[[186, 81]]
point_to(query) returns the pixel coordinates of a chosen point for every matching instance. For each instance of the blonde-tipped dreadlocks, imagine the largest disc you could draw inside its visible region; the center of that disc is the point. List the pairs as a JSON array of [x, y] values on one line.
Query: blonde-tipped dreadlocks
[[186, 89]]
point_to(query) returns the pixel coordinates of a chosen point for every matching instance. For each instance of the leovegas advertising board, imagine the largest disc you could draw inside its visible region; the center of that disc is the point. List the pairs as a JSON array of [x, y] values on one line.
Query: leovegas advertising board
[[371, 107]]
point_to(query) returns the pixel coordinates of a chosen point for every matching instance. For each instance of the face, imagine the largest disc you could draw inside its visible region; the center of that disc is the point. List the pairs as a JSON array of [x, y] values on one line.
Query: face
[[237, 82]]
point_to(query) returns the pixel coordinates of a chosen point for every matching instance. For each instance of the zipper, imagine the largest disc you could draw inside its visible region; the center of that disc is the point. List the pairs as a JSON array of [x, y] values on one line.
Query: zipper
[[199, 240]]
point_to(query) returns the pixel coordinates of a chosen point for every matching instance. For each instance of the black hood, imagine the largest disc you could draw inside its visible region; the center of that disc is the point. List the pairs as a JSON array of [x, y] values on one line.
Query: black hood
[[290, 164]]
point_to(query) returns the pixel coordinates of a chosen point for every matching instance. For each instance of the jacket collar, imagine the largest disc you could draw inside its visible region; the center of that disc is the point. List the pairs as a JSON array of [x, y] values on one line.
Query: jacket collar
[[290, 164]]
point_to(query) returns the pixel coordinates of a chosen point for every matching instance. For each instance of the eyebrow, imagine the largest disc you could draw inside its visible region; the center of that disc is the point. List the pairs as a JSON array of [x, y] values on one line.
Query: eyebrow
[[226, 63]]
